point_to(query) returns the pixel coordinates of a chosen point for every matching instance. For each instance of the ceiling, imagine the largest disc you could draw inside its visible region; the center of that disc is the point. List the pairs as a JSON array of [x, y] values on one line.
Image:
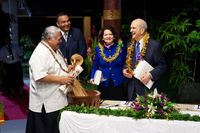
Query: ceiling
[[129, 8], [72, 7]]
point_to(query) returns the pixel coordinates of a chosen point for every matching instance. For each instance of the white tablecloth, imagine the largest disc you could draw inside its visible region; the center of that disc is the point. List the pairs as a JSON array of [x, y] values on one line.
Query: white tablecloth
[[72, 122]]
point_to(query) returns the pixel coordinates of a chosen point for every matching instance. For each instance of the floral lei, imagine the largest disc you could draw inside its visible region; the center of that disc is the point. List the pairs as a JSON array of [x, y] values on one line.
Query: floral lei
[[114, 56], [130, 52]]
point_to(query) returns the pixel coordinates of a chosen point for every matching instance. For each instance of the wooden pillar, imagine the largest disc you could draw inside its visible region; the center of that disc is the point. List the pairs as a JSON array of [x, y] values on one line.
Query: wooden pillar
[[87, 26], [112, 14]]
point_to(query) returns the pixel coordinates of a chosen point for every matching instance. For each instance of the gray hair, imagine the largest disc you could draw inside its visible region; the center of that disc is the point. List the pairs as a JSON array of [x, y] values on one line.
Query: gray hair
[[143, 24], [50, 32]]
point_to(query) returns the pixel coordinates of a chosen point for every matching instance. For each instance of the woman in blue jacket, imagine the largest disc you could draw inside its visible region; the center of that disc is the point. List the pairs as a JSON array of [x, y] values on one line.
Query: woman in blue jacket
[[110, 56]]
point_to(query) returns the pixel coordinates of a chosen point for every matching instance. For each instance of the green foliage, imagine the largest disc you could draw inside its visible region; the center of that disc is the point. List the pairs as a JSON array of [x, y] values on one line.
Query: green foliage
[[151, 105], [28, 46], [126, 34], [89, 58], [181, 38]]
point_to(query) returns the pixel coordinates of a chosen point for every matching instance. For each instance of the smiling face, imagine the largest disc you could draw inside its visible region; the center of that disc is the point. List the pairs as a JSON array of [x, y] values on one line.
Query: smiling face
[[137, 29], [63, 23], [108, 37]]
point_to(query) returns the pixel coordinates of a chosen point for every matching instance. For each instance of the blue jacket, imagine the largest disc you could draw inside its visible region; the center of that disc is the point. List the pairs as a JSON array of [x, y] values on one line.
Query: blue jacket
[[111, 70]]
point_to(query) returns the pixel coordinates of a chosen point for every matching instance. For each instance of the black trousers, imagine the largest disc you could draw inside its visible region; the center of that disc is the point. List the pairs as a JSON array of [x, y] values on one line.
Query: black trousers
[[42, 122], [113, 93]]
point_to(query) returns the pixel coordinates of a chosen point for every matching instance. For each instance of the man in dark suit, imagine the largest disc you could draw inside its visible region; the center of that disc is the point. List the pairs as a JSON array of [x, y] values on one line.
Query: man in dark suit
[[73, 40], [150, 51]]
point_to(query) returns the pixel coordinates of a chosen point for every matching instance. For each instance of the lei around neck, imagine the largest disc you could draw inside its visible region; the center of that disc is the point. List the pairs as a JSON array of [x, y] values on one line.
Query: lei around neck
[[130, 52], [114, 56]]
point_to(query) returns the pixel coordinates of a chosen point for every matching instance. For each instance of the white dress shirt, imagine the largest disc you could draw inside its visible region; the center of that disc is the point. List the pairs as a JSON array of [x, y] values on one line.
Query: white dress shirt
[[41, 64]]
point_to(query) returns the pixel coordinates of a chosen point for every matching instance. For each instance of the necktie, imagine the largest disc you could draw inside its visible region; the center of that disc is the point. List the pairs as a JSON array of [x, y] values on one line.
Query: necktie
[[65, 36], [137, 51]]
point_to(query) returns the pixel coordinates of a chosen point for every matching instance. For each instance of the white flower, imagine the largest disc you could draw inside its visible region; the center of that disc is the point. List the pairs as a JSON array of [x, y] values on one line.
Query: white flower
[[155, 94], [152, 109]]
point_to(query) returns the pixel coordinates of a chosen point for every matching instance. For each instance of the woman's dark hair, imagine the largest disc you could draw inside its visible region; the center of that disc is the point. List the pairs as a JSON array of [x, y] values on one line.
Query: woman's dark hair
[[101, 32]]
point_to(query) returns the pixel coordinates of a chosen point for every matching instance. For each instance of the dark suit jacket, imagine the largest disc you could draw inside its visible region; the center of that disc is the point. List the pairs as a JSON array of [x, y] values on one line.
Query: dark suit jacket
[[75, 44], [154, 57]]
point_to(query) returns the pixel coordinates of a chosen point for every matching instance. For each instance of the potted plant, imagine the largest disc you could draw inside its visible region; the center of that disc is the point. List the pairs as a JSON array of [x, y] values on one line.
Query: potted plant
[[181, 43]]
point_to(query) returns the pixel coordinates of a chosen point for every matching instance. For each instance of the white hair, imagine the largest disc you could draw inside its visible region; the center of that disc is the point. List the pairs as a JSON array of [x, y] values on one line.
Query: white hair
[[50, 32]]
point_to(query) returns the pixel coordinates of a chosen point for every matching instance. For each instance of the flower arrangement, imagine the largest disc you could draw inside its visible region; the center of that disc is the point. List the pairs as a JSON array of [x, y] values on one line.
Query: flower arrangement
[[153, 105]]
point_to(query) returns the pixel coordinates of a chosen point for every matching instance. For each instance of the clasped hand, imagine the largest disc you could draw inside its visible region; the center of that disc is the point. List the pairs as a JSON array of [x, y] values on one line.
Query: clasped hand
[[145, 79], [127, 74], [67, 80]]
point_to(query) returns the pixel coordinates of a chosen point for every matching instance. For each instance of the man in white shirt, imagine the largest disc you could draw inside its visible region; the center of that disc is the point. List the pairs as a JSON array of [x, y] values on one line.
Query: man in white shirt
[[48, 72]]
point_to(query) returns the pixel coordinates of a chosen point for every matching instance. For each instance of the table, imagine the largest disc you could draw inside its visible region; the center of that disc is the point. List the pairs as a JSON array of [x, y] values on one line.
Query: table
[[72, 122]]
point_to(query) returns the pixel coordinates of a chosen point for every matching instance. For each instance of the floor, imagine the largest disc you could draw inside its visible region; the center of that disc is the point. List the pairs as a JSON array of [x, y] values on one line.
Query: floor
[[13, 126]]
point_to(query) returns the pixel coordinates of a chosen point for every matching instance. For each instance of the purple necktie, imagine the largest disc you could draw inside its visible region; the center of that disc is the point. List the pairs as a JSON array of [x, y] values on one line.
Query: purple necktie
[[137, 51]]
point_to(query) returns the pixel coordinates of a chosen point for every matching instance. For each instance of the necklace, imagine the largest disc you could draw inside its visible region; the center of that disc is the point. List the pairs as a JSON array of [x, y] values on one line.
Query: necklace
[[130, 52], [114, 56], [53, 54]]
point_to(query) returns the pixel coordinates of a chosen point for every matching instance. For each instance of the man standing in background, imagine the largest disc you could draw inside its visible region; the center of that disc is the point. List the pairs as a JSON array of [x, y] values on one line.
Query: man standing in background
[[73, 40]]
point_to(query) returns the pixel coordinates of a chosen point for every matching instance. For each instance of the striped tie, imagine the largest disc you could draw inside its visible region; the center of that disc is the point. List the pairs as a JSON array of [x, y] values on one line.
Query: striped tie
[[66, 36]]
